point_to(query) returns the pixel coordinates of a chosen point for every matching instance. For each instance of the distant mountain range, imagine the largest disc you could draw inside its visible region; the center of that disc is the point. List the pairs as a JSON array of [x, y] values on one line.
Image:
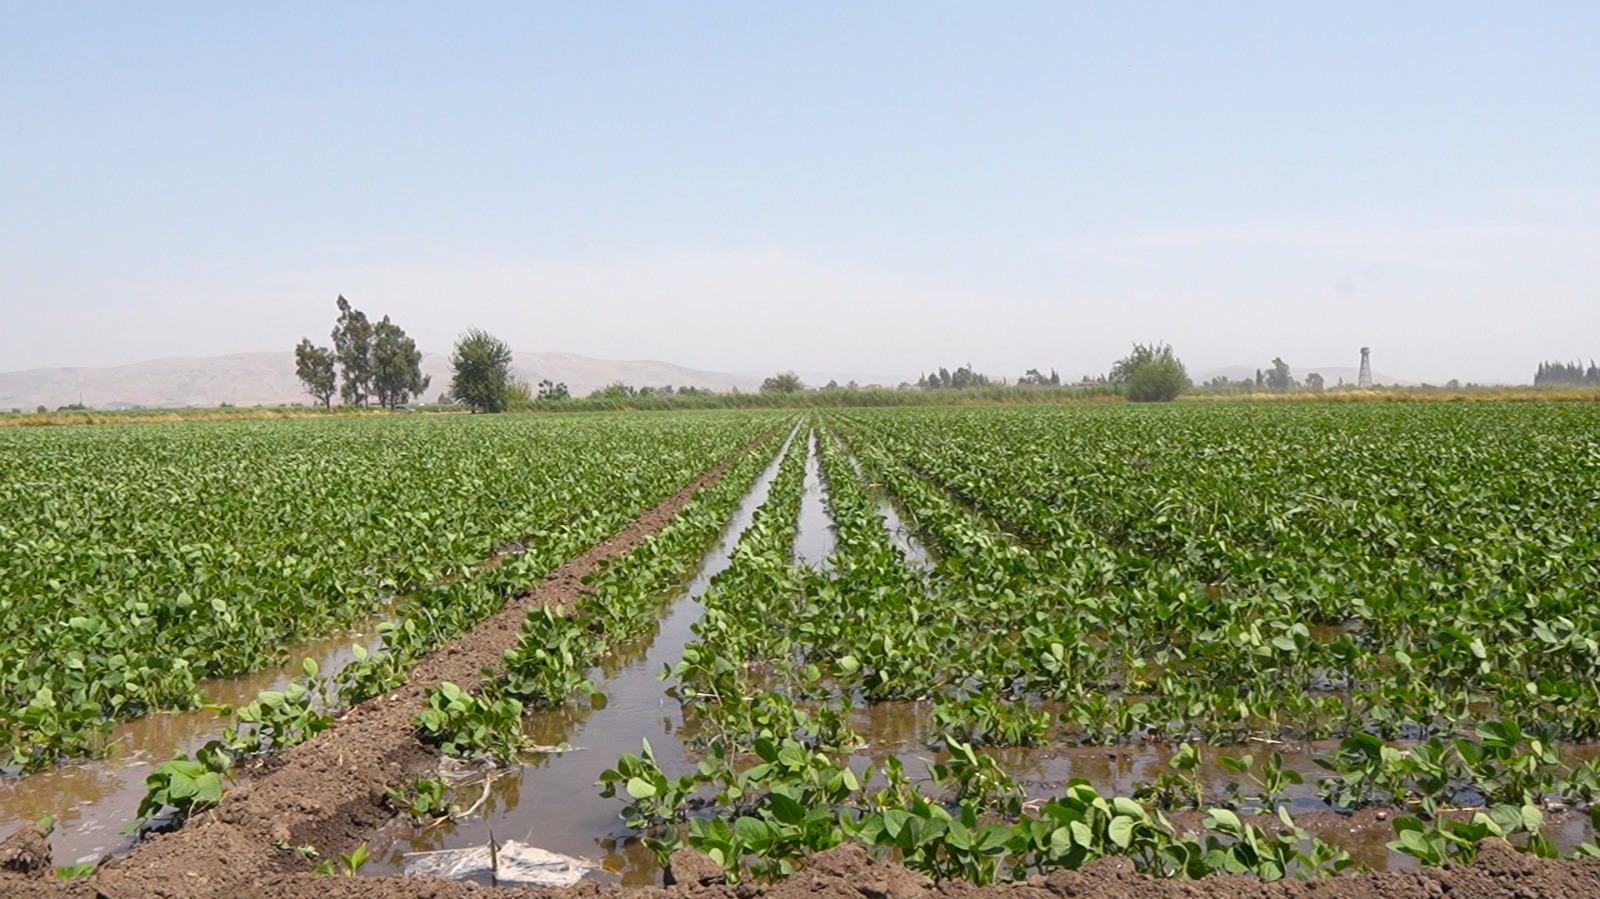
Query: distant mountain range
[[268, 379]]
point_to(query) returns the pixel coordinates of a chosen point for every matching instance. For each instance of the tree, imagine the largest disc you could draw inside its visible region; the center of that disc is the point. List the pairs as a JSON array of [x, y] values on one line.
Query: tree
[[396, 366], [1279, 378], [352, 343], [962, 378], [783, 382], [314, 365], [482, 366], [550, 390], [519, 394], [1152, 373], [614, 391], [1566, 373], [1314, 382]]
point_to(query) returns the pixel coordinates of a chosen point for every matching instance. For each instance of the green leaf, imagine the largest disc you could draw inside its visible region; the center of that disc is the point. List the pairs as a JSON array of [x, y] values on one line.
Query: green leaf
[[1121, 830]]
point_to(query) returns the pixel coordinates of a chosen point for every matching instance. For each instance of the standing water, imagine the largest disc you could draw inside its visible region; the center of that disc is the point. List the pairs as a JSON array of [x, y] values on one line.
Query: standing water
[[813, 535], [911, 549], [93, 801], [552, 801]]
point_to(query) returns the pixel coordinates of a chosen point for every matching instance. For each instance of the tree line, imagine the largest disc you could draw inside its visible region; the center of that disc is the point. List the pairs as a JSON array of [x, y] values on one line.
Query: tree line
[[380, 362], [1551, 374], [366, 362]]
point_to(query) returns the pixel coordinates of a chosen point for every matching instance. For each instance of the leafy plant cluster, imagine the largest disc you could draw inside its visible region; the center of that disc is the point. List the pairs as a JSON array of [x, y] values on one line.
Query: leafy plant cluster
[[794, 801]]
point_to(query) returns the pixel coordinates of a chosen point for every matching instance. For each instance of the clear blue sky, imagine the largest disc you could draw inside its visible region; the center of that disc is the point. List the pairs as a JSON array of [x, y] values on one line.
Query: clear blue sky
[[852, 188]]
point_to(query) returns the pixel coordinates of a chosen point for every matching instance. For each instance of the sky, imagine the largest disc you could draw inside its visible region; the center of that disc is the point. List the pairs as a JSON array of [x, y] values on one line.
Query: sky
[[872, 189]]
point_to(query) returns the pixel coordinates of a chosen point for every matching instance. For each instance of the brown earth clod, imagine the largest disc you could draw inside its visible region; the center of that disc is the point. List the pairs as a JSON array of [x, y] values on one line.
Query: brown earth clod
[[26, 852]]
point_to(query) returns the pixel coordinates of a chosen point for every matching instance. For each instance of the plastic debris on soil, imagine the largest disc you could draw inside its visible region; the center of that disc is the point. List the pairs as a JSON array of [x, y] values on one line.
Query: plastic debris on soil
[[515, 862]]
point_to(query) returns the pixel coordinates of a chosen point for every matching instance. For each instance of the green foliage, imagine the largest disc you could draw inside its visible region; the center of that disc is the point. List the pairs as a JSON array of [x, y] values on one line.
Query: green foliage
[[783, 382], [314, 366], [184, 785], [423, 799], [1273, 779], [549, 662], [1179, 788], [352, 344], [396, 366], [468, 725], [75, 872], [278, 719], [987, 720], [1208, 576], [1152, 373], [348, 864], [654, 798], [481, 364], [1458, 841], [140, 561]]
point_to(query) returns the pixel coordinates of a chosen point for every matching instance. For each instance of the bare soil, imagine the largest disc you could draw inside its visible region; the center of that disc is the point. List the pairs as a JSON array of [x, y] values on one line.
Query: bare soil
[[847, 872]]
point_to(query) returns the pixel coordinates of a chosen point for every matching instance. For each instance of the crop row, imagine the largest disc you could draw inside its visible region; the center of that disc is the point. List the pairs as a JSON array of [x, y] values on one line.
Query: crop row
[[137, 561], [1098, 579], [1397, 590]]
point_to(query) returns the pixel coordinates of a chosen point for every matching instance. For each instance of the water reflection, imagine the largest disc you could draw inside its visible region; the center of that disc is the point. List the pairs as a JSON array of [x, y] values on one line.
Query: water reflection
[[558, 807]]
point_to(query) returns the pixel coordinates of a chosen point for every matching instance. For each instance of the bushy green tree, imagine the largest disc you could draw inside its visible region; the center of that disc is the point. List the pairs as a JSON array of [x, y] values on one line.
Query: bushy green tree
[[1279, 377], [1152, 373], [396, 365], [783, 382], [352, 343], [314, 366], [481, 364]]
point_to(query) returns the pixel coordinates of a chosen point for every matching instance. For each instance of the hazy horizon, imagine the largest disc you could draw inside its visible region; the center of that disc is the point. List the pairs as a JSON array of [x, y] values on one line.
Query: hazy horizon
[[819, 187]]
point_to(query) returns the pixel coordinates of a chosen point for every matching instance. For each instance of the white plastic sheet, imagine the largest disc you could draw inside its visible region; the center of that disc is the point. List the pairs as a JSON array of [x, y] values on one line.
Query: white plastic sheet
[[514, 863]]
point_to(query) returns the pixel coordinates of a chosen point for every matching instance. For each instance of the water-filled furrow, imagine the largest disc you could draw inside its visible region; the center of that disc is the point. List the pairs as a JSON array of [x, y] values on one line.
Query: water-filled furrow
[[814, 538], [551, 801], [916, 554]]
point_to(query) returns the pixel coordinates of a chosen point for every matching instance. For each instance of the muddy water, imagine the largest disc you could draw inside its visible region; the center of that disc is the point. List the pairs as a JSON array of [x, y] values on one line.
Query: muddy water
[[813, 536], [917, 555], [905, 729], [552, 802], [93, 801]]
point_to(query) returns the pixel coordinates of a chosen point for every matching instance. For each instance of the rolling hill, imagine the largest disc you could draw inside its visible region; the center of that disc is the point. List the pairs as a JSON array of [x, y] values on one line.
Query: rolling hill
[[268, 379]]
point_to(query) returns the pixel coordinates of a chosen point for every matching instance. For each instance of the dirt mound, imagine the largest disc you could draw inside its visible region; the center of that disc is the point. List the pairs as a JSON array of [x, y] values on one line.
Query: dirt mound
[[26, 852]]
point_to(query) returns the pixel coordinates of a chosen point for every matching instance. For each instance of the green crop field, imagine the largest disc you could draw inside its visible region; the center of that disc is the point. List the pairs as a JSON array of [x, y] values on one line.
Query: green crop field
[[1411, 593], [1276, 610], [135, 561]]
